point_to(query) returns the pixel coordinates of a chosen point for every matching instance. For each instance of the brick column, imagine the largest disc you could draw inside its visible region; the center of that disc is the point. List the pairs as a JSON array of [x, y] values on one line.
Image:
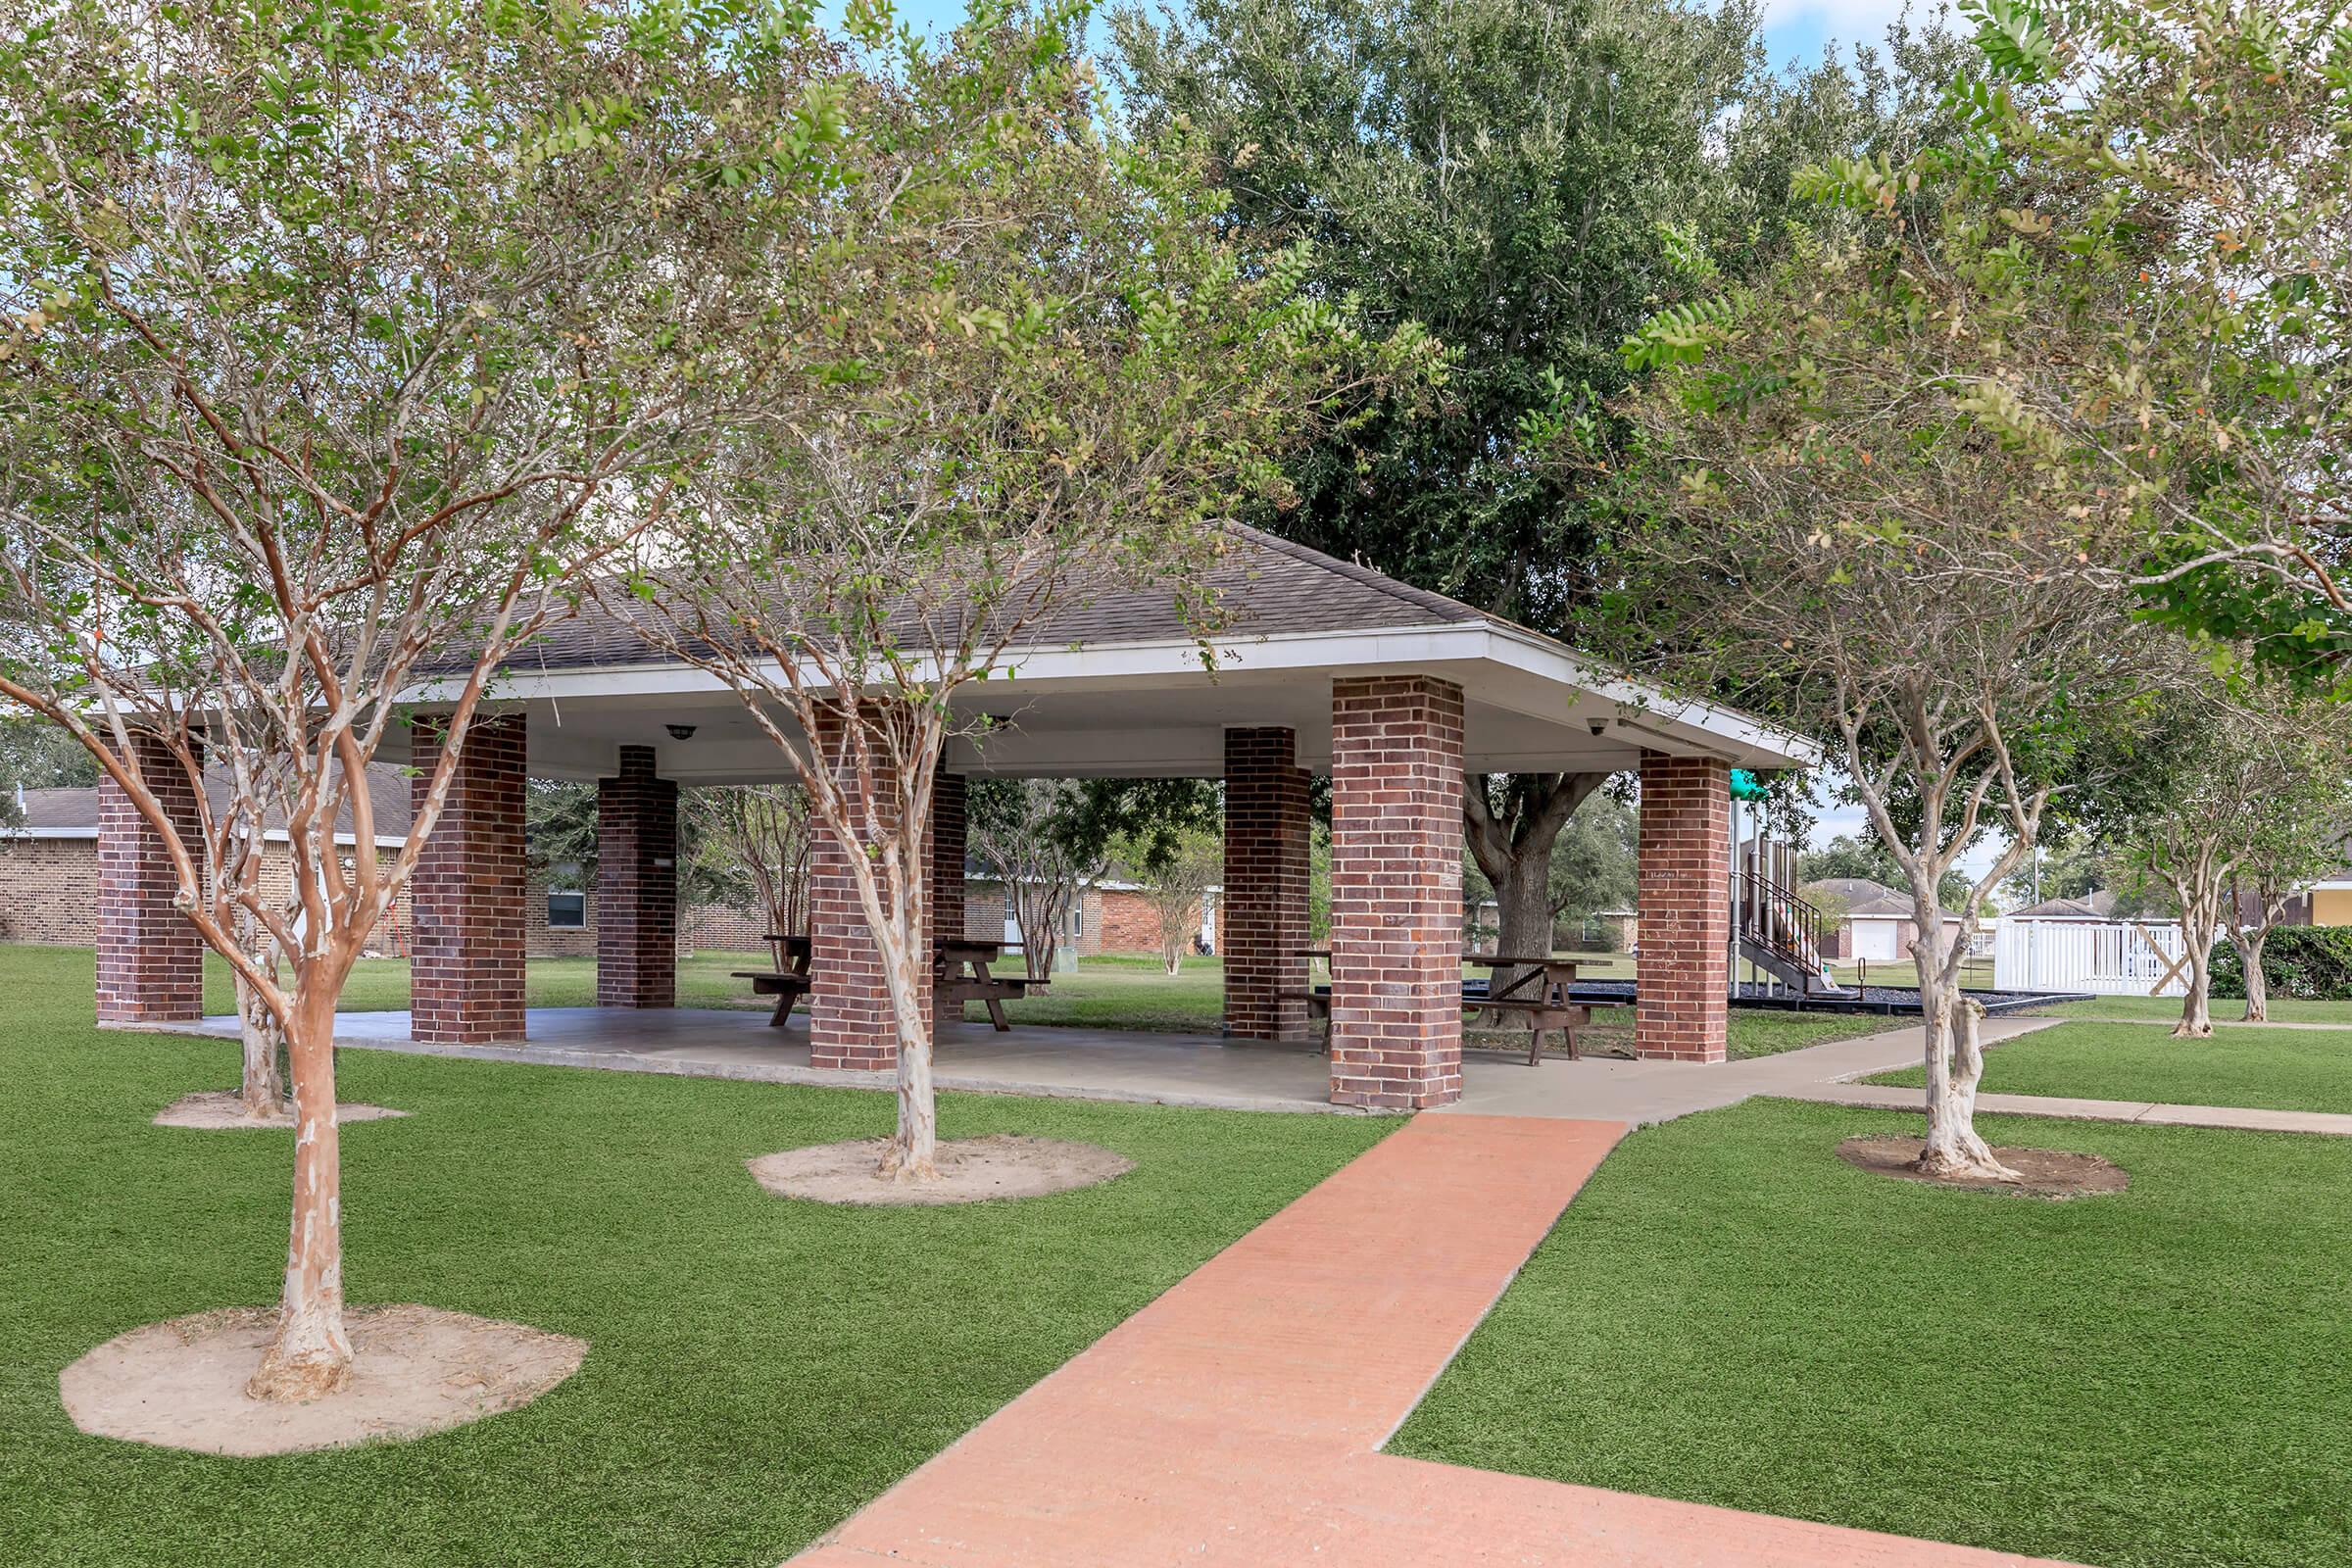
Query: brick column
[[465, 902], [636, 886], [1395, 892], [947, 843], [1682, 972], [150, 959], [850, 1023], [1265, 886]]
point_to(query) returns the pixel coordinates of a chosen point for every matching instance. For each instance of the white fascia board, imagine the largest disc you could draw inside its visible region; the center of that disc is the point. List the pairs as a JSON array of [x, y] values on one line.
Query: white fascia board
[[1753, 739], [1173, 662]]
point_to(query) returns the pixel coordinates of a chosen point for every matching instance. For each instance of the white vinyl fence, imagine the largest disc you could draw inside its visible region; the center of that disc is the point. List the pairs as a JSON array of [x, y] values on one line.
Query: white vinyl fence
[[2120, 958]]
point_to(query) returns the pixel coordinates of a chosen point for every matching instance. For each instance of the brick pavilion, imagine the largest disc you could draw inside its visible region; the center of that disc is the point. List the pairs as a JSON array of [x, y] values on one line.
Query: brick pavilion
[[1325, 667]]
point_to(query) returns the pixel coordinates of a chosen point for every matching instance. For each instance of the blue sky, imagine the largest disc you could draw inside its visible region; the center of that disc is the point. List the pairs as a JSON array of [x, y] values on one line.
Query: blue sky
[[1793, 29]]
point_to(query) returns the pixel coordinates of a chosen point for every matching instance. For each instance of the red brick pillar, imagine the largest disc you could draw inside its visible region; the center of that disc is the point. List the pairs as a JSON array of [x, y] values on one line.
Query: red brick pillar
[[947, 843], [1683, 970], [1264, 903], [1395, 892], [849, 1022], [150, 959], [636, 886], [465, 901]]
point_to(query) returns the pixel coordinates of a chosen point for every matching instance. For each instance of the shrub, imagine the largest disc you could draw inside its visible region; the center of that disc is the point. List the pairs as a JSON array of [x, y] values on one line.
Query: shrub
[[2311, 963]]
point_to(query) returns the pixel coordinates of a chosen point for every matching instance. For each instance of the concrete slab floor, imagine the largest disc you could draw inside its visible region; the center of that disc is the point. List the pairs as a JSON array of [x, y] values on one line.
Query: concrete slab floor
[[1172, 1069]]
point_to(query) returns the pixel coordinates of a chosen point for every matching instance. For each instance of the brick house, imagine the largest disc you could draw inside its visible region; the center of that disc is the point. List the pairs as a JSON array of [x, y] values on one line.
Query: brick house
[[49, 869], [49, 883], [1319, 666], [1109, 916]]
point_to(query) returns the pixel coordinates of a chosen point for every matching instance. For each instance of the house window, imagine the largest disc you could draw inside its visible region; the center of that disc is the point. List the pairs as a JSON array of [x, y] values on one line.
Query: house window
[[566, 911]]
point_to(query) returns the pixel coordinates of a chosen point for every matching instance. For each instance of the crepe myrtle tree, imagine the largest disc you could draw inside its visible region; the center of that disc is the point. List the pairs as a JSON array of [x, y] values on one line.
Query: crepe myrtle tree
[[749, 847], [1029, 833], [1833, 518], [1177, 879], [2249, 797], [324, 372], [2202, 155], [1051, 377]]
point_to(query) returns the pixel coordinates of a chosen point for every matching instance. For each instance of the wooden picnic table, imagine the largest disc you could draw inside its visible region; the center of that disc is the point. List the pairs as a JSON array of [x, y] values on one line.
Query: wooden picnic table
[[788, 981], [1537, 996], [961, 975]]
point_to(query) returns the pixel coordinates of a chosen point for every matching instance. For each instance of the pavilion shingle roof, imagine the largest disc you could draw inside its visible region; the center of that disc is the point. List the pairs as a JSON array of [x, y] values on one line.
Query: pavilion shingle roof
[[1267, 587]]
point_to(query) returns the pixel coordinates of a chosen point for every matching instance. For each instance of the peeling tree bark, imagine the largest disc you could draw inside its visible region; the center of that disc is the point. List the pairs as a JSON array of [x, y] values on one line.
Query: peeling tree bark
[[1955, 1063], [311, 1356], [261, 1085], [2258, 984]]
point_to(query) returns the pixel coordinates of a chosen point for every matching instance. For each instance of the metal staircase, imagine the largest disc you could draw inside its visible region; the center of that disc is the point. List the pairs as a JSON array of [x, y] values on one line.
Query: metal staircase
[[1784, 937], [1781, 934]]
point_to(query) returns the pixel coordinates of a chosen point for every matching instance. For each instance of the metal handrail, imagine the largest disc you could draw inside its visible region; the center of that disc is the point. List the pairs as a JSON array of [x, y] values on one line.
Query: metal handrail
[[1776, 920]]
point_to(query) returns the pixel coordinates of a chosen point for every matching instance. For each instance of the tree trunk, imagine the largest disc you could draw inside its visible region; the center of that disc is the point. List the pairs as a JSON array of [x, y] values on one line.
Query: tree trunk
[[913, 1153], [262, 1087], [2258, 984], [311, 1356], [1524, 895], [262, 1084], [2196, 1008], [2196, 939], [1955, 1060]]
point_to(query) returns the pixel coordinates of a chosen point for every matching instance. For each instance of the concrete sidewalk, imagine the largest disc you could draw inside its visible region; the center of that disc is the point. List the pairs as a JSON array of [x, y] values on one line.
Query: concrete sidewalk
[[1890, 1097], [1239, 1418], [1642, 1092]]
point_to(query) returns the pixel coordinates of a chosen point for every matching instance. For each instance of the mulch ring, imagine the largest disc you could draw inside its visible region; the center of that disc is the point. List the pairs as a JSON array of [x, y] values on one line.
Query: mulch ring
[[2046, 1172], [971, 1170]]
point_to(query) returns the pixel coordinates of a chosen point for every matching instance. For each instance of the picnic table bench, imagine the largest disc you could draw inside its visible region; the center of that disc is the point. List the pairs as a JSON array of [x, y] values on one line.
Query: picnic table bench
[[961, 975], [1537, 998], [786, 982]]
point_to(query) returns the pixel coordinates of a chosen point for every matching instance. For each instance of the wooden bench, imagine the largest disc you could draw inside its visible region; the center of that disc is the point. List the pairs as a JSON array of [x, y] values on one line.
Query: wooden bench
[[788, 983], [960, 975]]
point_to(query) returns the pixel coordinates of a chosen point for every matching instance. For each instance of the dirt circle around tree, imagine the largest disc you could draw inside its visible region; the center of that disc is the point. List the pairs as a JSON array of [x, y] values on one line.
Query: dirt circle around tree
[[971, 1170], [181, 1384], [222, 1111], [2046, 1172]]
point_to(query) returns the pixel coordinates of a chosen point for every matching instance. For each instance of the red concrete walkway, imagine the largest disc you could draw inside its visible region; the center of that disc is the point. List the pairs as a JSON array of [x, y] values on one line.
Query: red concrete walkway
[[1237, 1419]]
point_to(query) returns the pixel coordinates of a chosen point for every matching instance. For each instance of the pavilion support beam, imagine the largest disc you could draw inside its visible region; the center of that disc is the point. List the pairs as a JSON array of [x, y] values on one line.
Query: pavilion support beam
[[636, 885], [1264, 900], [150, 959], [1395, 892], [849, 1021], [466, 897], [1683, 974], [948, 848]]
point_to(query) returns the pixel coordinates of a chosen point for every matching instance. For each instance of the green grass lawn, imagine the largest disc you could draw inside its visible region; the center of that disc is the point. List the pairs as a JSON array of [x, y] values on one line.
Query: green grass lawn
[[757, 1369], [1729, 1314], [2226, 1011], [2273, 1069]]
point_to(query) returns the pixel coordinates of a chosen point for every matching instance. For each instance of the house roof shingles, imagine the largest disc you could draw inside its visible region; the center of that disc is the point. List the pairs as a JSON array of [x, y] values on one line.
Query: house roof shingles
[[1264, 586], [69, 813]]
